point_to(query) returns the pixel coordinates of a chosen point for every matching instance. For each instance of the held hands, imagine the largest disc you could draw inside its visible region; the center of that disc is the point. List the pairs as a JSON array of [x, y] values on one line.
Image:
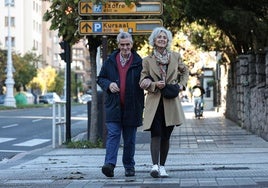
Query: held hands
[[114, 87], [145, 83], [160, 84]]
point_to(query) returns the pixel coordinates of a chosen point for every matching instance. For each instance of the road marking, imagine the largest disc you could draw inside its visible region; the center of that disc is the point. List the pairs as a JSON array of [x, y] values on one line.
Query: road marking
[[43, 117], [32, 142], [36, 120], [205, 140], [6, 139], [26, 117], [12, 151], [8, 126], [79, 118]]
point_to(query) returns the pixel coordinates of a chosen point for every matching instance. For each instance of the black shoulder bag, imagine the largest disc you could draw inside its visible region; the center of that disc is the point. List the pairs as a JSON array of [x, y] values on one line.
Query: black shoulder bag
[[170, 91]]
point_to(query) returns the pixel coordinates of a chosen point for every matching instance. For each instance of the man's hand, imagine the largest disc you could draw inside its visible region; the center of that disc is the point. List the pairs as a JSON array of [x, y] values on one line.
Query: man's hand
[[114, 87]]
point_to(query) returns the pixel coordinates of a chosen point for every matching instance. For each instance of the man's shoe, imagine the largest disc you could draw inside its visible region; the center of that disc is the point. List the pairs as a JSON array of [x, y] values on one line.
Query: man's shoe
[[108, 170], [155, 171], [162, 172], [130, 172]]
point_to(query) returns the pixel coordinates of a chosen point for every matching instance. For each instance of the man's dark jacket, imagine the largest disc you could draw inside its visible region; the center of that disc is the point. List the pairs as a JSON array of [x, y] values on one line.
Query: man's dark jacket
[[132, 113]]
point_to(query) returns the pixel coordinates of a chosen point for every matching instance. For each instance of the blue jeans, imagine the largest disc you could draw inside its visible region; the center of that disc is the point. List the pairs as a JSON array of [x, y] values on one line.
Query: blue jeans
[[114, 131], [198, 105]]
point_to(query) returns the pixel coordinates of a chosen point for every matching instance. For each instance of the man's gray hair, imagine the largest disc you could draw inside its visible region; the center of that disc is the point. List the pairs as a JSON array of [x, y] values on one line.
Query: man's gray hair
[[124, 35], [156, 32]]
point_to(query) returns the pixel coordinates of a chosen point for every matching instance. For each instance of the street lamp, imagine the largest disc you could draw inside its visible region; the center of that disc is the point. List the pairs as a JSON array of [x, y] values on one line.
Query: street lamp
[[9, 99]]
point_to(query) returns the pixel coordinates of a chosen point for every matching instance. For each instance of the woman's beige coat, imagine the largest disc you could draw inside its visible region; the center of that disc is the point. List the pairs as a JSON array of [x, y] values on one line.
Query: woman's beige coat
[[177, 73]]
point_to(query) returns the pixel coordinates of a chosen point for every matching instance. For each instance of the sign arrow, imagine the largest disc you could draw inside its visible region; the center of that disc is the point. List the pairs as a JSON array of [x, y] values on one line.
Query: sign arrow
[[87, 27], [87, 7]]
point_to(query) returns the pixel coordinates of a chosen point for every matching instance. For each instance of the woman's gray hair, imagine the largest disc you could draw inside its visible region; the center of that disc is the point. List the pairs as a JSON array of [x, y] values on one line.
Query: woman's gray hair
[[124, 35], [156, 32]]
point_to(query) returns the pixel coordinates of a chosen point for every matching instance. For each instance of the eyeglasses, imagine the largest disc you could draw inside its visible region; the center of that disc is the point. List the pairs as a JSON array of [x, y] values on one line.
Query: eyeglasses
[[124, 44]]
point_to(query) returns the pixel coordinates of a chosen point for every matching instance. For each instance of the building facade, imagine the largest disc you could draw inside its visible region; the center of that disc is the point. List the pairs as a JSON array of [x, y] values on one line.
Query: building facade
[[29, 33], [26, 25]]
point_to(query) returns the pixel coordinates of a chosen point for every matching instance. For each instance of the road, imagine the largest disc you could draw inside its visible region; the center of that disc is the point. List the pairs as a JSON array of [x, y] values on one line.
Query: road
[[23, 130]]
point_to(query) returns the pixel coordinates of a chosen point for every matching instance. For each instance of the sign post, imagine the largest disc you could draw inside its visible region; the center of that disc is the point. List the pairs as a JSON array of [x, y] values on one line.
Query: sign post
[[110, 27], [118, 7]]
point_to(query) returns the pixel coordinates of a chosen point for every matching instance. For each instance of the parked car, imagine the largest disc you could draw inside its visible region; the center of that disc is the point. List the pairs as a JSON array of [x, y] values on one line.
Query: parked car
[[49, 98], [2, 99], [85, 98]]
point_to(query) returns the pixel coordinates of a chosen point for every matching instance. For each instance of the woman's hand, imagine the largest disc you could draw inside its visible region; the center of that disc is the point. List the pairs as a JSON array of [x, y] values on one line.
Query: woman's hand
[[145, 83], [160, 84]]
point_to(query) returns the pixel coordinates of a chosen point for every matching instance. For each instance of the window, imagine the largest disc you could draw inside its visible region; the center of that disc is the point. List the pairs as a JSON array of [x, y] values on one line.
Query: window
[[12, 3], [48, 51], [12, 42], [77, 65], [78, 53], [12, 21], [36, 7], [6, 21], [35, 45]]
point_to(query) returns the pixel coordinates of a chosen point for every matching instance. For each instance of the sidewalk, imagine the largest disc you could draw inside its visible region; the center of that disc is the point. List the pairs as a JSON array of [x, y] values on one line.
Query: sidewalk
[[210, 152]]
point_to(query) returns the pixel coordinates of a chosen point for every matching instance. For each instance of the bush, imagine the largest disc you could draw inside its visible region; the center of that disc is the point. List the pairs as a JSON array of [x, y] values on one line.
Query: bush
[[83, 144]]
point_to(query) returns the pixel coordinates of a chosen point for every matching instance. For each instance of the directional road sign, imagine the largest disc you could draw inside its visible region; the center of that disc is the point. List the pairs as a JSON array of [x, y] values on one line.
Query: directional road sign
[[112, 27], [120, 8]]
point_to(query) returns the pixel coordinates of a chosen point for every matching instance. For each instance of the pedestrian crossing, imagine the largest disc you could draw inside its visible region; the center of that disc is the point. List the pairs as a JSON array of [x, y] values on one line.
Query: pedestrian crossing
[[32, 142], [28, 143], [6, 139]]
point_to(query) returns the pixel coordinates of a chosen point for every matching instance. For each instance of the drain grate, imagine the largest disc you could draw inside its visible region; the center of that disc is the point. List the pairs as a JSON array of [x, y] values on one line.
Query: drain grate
[[231, 168], [188, 169]]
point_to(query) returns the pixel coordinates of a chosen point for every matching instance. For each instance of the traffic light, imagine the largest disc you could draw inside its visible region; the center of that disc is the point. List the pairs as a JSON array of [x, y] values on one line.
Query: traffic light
[[65, 55]]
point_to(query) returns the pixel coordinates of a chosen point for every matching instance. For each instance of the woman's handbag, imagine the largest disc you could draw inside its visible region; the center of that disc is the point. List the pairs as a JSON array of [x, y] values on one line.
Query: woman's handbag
[[170, 91]]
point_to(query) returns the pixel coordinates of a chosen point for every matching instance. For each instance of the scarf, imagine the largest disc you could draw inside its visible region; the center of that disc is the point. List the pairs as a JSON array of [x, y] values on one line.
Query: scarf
[[162, 61]]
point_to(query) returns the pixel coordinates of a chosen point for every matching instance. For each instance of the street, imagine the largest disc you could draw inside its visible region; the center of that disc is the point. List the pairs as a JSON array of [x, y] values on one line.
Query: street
[[24, 130]]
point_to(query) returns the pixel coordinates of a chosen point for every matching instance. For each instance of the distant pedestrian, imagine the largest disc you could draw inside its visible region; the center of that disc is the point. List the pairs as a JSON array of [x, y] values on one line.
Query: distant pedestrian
[[198, 93], [161, 69], [119, 78]]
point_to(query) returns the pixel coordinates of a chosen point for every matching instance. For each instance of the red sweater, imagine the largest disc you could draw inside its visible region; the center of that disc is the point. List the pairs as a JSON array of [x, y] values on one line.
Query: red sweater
[[122, 76]]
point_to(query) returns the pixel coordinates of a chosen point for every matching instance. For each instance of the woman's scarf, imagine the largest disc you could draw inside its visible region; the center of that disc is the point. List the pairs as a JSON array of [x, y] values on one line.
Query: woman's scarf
[[162, 61]]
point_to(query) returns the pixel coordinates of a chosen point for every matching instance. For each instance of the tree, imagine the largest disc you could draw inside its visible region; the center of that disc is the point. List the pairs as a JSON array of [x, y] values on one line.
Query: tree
[[244, 22], [59, 83], [44, 80], [3, 62], [25, 69]]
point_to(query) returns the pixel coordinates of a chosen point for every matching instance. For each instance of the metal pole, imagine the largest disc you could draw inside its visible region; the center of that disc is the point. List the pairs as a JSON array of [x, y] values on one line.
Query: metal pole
[[54, 125], [65, 77], [9, 99], [102, 117], [68, 93]]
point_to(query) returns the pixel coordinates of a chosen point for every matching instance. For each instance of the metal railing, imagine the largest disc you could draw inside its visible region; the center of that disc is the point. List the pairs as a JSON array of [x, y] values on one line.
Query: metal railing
[[58, 122]]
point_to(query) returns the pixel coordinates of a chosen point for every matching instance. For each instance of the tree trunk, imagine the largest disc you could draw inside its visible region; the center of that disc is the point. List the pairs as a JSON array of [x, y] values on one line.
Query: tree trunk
[[94, 102], [94, 43]]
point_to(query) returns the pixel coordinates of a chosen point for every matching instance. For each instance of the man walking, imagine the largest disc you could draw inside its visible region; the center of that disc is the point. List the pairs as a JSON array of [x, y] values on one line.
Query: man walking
[[119, 78]]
